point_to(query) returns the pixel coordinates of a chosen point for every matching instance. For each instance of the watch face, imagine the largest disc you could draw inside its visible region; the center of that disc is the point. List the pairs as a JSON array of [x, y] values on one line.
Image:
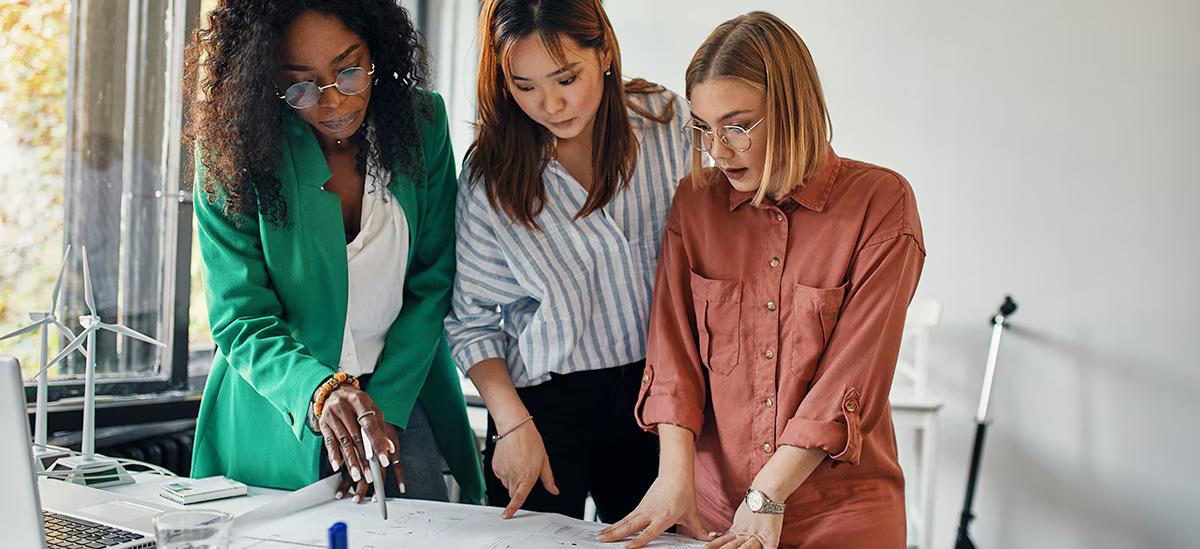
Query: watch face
[[754, 500]]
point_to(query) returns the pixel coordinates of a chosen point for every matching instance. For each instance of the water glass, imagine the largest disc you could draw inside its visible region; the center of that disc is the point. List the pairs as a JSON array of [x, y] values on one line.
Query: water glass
[[192, 530]]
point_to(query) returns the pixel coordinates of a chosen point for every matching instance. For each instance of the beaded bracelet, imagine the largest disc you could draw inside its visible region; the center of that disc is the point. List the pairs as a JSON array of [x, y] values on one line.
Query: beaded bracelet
[[323, 392]]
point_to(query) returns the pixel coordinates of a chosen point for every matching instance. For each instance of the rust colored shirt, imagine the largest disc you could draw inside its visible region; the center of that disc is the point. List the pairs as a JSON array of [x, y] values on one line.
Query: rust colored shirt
[[780, 325]]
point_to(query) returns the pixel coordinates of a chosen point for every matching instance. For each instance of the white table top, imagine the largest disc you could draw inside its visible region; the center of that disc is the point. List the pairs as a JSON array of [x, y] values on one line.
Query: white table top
[[147, 486]]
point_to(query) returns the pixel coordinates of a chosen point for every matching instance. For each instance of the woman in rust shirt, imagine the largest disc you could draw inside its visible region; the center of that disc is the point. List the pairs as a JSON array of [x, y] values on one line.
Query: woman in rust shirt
[[780, 299]]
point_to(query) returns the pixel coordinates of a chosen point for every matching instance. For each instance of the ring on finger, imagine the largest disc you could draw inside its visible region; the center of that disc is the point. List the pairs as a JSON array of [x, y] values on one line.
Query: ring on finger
[[367, 413]]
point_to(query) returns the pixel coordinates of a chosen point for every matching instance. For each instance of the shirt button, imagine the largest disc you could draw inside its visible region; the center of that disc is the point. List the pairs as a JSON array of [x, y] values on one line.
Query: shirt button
[[851, 406], [778, 217], [774, 262], [770, 305], [645, 379], [767, 448], [769, 402], [769, 354]]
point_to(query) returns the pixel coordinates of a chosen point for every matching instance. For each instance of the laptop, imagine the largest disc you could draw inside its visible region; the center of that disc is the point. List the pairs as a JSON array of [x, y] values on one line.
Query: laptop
[[52, 514]]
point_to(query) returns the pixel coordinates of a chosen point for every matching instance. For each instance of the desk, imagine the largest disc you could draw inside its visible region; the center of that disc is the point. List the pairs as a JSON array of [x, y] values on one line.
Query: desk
[[299, 519]]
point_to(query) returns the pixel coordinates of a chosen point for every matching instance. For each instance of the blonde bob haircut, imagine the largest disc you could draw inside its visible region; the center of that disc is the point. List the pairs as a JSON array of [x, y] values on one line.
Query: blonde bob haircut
[[761, 51]]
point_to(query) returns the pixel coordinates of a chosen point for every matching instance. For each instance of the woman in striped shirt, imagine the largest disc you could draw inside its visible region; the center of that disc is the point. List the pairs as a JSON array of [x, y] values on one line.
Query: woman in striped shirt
[[561, 208]]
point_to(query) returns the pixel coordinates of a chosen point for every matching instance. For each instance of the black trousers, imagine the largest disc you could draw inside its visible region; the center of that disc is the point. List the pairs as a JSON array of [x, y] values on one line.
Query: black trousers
[[593, 441]]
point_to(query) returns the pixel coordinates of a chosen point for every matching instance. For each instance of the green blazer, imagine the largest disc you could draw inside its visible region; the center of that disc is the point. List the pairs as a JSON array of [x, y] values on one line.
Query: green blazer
[[277, 307]]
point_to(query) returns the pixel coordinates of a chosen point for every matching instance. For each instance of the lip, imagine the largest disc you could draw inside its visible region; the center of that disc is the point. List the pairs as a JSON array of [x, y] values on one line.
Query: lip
[[563, 124], [341, 122], [735, 173]]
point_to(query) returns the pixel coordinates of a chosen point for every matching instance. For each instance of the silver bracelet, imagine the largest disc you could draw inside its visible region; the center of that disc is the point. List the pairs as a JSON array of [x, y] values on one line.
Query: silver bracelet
[[496, 438]]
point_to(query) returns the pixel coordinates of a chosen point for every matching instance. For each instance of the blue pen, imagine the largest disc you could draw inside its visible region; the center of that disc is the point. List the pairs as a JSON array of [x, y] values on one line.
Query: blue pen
[[337, 536]]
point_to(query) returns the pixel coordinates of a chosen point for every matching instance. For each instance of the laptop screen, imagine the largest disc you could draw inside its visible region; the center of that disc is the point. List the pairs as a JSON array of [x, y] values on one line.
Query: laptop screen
[[21, 519]]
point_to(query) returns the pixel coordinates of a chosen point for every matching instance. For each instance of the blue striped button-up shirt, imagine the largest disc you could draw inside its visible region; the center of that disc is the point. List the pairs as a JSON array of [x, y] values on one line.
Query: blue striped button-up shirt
[[575, 296]]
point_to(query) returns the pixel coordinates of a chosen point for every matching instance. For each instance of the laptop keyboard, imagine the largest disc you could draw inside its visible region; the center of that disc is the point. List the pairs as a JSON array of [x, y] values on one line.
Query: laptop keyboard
[[67, 532]]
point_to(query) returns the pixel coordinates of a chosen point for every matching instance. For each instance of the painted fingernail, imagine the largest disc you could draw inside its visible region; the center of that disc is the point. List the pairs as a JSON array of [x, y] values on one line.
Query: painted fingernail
[[383, 460], [337, 465], [392, 445], [354, 474], [339, 495], [402, 488]]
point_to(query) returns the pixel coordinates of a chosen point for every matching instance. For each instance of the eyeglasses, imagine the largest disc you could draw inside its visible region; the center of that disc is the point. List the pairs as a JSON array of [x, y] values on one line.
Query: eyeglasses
[[351, 81], [736, 138]]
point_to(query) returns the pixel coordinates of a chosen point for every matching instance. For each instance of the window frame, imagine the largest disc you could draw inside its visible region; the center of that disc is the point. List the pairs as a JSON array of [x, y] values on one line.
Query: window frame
[[147, 21]]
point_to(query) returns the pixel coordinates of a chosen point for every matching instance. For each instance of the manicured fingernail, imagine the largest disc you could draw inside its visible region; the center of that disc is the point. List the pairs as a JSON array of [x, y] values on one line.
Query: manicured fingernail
[[392, 445], [339, 495], [357, 499], [383, 460], [713, 534], [337, 465], [402, 488], [354, 474]]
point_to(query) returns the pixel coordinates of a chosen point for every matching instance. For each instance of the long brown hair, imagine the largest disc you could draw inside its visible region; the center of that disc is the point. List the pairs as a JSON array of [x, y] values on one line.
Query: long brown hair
[[510, 151], [761, 51]]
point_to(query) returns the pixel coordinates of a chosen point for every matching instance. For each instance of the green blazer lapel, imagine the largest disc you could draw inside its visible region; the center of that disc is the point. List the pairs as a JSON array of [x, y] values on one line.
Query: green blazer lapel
[[402, 187], [316, 223]]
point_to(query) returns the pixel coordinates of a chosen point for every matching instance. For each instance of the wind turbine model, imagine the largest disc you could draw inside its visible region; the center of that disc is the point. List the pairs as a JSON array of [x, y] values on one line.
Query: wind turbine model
[[41, 320], [88, 468]]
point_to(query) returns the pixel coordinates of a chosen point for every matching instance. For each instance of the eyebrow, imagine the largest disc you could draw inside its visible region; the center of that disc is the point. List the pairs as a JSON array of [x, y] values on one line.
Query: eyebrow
[[725, 118], [341, 56], [567, 68]]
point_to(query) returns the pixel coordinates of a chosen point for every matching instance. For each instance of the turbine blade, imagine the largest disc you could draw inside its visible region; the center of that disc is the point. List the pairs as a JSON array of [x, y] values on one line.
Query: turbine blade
[[70, 348], [130, 332], [87, 283], [58, 282], [25, 330], [69, 332]]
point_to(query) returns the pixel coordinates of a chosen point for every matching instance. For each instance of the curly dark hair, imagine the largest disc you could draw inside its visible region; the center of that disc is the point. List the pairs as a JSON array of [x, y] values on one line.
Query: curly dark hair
[[235, 119]]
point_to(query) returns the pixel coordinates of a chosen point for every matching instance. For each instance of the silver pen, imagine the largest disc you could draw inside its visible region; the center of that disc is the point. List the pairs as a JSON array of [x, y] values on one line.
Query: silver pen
[[376, 475]]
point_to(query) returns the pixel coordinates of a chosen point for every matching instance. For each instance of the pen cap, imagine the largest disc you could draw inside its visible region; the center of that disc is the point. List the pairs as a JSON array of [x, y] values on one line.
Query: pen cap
[[337, 536]]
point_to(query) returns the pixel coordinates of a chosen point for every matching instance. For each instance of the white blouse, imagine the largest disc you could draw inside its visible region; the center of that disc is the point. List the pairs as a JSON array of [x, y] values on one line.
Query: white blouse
[[377, 259]]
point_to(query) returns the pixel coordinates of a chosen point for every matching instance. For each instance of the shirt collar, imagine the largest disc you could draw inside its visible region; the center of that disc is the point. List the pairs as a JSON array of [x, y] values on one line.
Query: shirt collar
[[812, 194]]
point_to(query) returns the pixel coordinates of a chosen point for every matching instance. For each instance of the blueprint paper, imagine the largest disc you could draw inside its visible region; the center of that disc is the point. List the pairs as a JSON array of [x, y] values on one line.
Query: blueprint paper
[[303, 521]]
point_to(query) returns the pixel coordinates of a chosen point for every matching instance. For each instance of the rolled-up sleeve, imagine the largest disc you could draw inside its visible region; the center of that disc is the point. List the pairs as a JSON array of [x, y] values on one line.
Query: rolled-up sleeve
[[848, 394], [483, 283], [674, 387]]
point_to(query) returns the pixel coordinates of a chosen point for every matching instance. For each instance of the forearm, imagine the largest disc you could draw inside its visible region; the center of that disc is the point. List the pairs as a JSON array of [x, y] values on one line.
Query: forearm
[[492, 379], [787, 470], [677, 452]]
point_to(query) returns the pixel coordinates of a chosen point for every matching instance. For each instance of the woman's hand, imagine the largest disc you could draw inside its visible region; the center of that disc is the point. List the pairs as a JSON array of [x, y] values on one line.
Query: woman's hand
[[750, 530], [348, 415], [671, 500], [519, 461]]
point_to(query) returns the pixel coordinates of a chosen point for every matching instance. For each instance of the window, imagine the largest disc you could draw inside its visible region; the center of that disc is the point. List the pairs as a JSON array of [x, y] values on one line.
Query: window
[[89, 156], [89, 145], [32, 135]]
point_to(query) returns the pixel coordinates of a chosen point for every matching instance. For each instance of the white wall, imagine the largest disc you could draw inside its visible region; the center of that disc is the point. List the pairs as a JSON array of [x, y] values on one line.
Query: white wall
[[1052, 149]]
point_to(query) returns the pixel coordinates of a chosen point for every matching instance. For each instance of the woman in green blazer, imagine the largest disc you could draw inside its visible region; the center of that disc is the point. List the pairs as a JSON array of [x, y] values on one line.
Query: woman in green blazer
[[324, 198]]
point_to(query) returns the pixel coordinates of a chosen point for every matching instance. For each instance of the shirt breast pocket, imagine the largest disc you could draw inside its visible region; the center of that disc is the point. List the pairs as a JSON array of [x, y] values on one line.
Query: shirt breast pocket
[[718, 321], [813, 317]]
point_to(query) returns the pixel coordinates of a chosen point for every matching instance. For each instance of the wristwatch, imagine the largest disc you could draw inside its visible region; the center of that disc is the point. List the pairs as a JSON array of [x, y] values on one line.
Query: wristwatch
[[759, 503]]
